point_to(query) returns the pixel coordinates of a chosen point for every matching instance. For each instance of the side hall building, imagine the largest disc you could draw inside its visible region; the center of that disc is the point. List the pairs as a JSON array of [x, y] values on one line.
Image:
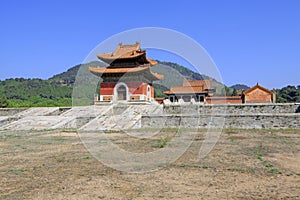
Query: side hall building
[[259, 94], [202, 91], [191, 90]]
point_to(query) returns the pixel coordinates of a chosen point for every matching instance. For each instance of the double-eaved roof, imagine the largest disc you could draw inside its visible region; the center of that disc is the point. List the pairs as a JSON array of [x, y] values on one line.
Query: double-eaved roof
[[145, 70], [129, 58], [125, 51]]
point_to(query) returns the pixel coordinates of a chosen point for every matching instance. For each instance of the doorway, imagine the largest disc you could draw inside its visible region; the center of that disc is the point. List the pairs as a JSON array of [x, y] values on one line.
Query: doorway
[[121, 92]]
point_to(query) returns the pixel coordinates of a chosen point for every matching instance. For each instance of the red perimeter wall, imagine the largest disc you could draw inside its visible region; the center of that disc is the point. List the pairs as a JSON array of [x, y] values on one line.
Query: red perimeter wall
[[223, 100]]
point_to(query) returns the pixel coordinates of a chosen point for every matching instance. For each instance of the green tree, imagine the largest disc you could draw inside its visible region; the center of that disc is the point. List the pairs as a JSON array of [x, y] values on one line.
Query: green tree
[[3, 102], [234, 92], [227, 91], [159, 93], [288, 94]]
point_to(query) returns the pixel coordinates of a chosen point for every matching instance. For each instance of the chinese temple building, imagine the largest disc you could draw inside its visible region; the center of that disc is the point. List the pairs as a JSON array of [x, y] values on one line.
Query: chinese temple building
[[201, 91], [128, 78], [259, 94], [197, 90]]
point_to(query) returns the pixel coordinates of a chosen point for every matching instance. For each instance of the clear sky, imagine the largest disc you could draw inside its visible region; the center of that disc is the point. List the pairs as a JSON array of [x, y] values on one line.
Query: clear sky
[[250, 41]]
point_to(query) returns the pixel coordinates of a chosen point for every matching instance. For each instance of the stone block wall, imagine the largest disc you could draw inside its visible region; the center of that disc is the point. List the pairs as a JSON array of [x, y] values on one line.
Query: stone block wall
[[258, 121], [246, 116], [10, 111], [233, 108]]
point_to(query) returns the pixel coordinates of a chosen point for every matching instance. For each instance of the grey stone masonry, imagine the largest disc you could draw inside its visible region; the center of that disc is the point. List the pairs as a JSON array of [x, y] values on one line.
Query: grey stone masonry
[[233, 108], [245, 116], [248, 121], [120, 117], [10, 111]]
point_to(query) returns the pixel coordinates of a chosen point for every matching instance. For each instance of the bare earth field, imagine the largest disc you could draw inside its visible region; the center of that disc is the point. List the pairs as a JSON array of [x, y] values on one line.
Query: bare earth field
[[244, 164]]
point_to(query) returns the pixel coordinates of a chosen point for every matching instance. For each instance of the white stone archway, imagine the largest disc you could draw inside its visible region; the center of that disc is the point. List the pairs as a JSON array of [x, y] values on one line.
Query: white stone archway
[[121, 92]]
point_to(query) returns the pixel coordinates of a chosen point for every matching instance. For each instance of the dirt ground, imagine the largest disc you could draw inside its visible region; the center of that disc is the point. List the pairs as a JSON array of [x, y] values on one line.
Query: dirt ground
[[244, 164]]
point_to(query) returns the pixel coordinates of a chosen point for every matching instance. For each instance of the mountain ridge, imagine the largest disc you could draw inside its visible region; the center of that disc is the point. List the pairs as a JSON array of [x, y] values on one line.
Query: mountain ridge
[[240, 87], [57, 90]]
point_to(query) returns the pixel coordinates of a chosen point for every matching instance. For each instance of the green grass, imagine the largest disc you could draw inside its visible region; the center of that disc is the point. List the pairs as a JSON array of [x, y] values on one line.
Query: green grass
[[260, 156], [17, 171], [163, 141], [234, 169], [111, 131], [259, 153], [60, 159], [87, 158], [230, 131], [267, 164], [68, 130], [252, 170], [274, 171]]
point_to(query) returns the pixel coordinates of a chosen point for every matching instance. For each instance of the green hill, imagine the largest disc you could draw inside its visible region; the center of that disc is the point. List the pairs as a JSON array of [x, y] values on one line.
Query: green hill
[[68, 77], [21, 92], [175, 74], [240, 87], [57, 90]]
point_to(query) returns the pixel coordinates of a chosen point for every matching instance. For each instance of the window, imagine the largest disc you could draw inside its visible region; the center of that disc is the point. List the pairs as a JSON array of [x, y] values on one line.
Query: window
[[201, 98]]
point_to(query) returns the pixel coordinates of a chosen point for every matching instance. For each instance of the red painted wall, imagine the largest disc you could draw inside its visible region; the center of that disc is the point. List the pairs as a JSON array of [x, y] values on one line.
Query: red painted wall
[[152, 91], [223, 100], [107, 88], [160, 100], [258, 96]]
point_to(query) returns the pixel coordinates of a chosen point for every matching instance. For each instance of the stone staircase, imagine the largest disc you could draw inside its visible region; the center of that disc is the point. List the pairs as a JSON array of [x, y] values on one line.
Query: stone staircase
[[120, 117], [43, 111], [38, 123], [32, 119], [85, 118]]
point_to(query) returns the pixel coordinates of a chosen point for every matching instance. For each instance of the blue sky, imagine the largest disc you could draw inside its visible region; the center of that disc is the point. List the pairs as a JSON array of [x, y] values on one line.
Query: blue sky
[[250, 41]]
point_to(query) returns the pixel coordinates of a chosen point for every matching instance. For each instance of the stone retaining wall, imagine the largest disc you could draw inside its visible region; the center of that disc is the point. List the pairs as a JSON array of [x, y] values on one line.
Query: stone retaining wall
[[233, 108], [248, 116], [10, 111], [248, 121]]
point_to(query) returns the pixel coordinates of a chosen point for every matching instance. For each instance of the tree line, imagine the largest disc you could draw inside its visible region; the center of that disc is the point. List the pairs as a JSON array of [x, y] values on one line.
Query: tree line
[[20, 92], [57, 91]]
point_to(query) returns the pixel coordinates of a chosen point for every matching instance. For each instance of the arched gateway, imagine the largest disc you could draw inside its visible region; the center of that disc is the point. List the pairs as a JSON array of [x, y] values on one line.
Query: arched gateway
[[121, 93]]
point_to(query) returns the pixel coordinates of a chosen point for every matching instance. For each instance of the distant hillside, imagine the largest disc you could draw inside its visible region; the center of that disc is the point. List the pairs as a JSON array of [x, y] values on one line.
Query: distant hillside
[[240, 87], [69, 76], [187, 73], [175, 74], [57, 90], [20, 92]]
